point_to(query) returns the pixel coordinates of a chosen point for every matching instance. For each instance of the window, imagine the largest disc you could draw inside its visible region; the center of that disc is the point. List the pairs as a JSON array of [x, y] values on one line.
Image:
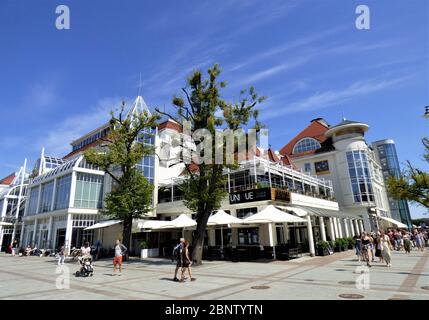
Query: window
[[360, 176], [89, 191], [248, 236], [241, 213], [46, 197], [32, 205], [62, 195], [306, 144], [307, 167]]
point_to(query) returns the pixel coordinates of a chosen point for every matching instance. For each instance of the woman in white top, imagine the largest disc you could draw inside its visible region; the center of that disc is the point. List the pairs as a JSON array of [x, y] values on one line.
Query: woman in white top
[[385, 248], [86, 250]]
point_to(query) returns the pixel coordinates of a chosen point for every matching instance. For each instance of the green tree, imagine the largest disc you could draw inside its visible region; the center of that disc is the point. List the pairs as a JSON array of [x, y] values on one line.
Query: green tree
[[413, 183], [122, 149], [203, 107]]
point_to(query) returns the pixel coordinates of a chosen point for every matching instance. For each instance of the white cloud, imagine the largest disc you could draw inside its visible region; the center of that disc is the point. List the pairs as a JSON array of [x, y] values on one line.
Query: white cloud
[[334, 97], [57, 140]]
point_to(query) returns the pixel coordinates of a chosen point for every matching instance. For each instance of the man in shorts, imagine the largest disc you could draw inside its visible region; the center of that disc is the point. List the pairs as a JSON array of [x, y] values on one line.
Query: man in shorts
[[120, 250]]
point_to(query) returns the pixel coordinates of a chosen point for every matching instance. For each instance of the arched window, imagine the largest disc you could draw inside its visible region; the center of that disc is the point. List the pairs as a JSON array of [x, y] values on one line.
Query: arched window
[[306, 144]]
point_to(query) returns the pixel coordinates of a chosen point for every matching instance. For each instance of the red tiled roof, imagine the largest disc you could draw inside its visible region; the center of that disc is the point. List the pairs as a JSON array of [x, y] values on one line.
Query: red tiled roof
[[272, 156], [314, 130], [8, 180], [170, 124]]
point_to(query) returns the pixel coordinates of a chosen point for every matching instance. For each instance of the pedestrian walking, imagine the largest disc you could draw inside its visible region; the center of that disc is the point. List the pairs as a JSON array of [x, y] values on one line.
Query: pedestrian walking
[[407, 243], [358, 247], [15, 246], [120, 250], [61, 255], [186, 262], [98, 246], [385, 248], [177, 257], [366, 248], [85, 250], [378, 247]]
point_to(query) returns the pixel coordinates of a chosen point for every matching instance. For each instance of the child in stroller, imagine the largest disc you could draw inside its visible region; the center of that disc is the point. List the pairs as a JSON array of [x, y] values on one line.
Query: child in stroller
[[86, 268]]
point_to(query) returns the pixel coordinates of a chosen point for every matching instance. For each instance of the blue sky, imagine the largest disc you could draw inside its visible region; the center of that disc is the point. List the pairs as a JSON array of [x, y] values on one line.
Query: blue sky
[[306, 56]]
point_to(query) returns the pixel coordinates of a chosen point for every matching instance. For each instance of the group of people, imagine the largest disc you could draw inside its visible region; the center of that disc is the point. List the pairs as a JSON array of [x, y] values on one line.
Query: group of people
[[181, 257], [380, 244]]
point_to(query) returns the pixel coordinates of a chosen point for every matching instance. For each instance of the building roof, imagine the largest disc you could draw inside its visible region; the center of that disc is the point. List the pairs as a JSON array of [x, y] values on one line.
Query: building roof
[[8, 180], [316, 130], [92, 144], [346, 125], [170, 124]]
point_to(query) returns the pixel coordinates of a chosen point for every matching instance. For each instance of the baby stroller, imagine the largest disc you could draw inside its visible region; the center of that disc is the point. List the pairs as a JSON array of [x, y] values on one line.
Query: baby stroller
[[86, 268]]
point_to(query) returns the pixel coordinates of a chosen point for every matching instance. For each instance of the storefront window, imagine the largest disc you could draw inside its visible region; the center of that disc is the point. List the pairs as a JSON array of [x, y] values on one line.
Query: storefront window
[[248, 236]]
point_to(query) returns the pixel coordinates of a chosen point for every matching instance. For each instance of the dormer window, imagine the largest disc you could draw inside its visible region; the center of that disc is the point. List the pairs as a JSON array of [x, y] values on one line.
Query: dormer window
[[306, 144]]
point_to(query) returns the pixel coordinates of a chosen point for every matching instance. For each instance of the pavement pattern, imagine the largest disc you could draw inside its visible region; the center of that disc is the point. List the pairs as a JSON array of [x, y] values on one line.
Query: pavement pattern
[[336, 277]]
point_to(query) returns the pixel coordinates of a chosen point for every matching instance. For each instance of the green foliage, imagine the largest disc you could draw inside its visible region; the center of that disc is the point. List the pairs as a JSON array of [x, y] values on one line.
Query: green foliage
[[203, 107], [322, 245], [144, 244], [413, 184], [131, 197], [118, 155]]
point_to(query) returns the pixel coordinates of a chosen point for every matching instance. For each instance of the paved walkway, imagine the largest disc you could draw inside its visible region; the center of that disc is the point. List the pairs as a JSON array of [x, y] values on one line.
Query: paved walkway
[[329, 277]]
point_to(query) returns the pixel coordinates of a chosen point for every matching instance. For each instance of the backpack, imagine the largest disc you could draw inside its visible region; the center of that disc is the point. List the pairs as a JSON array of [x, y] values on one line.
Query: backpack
[[176, 252]]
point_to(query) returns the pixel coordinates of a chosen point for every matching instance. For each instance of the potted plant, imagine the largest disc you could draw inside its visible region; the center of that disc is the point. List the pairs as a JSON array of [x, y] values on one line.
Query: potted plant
[[339, 245], [147, 251], [323, 248], [351, 243]]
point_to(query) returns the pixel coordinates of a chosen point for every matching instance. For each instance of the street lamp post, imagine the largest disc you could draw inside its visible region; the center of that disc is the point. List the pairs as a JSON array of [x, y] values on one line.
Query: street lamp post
[[426, 115]]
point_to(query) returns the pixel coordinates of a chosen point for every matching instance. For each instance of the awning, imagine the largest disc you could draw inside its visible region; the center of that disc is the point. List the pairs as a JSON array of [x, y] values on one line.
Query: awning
[[325, 212], [103, 224], [272, 215], [222, 218], [6, 224], [395, 222]]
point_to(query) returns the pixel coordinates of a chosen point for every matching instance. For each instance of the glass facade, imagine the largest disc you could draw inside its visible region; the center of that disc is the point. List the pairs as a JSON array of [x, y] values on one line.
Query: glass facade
[[62, 193], [32, 205], [46, 197], [360, 176], [306, 144], [146, 166], [89, 191], [390, 167]]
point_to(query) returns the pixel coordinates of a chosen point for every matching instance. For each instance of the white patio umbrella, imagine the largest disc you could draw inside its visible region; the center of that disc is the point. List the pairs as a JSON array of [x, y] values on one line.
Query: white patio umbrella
[[152, 224], [182, 221], [272, 215], [221, 218], [6, 224]]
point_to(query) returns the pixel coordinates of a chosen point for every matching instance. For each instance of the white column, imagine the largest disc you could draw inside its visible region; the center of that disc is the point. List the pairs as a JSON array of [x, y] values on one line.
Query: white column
[[322, 228], [352, 229], [212, 236], [69, 229], [3, 209], [34, 232], [331, 229], [337, 234], [21, 236], [340, 231], [310, 236], [54, 191], [361, 226], [357, 227], [271, 238], [346, 227], [1, 236], [50, 233]]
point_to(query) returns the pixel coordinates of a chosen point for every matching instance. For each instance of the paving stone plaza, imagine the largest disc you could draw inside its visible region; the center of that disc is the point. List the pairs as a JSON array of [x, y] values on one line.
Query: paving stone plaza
[[336, 277]]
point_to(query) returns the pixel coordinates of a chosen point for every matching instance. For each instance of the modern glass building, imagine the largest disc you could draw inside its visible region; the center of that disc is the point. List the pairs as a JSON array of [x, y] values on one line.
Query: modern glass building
[[65, 195], [386, 153]]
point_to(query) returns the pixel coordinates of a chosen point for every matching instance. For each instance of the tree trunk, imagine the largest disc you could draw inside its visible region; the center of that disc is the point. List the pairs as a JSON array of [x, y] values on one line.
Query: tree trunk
[[126, 233], [198, 240]]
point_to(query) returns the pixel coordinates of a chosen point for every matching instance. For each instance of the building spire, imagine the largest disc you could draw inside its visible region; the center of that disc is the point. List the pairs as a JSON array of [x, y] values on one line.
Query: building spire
[[140, 85]]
